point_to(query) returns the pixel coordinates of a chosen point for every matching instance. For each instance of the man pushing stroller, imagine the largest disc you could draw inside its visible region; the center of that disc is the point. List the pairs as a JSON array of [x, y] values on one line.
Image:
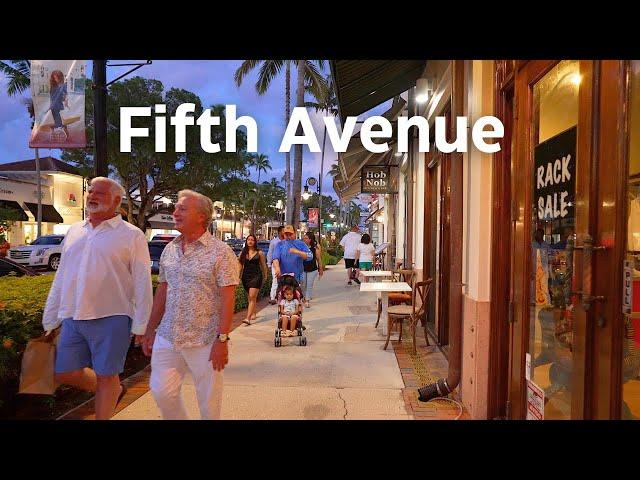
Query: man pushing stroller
[[288, 259]]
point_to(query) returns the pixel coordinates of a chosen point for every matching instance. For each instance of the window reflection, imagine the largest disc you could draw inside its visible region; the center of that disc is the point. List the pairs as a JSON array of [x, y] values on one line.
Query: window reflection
[[631, 304]]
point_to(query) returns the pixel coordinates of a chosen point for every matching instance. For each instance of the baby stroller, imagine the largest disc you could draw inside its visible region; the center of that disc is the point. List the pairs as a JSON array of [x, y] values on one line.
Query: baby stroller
[[289, 280]]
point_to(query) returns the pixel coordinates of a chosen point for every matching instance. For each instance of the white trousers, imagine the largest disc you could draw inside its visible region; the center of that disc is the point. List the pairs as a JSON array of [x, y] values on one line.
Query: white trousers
[[274, 283], [168, 368]]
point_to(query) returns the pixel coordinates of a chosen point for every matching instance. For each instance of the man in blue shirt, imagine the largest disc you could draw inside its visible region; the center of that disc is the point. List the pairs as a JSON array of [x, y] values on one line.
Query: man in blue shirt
[[290, 254]]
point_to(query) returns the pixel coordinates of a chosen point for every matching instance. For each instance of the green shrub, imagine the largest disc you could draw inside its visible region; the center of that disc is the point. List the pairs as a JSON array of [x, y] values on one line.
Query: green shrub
[[329, 259], [22, 301]]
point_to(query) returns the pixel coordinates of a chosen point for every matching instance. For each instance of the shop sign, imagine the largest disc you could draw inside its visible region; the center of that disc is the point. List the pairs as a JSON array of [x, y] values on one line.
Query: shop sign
[[555, 176], [375, 179], [535, 402]]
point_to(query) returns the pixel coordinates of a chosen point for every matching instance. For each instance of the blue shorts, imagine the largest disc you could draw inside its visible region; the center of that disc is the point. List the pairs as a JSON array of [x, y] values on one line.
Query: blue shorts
[[101, 344]]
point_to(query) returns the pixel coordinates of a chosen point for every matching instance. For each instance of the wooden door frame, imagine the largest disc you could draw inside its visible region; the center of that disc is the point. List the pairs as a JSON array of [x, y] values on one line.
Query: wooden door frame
[[501, 246], [527, 75], [613, 126]]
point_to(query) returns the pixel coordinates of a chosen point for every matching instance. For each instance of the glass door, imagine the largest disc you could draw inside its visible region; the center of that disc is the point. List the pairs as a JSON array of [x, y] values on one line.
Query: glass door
[[550, 192]]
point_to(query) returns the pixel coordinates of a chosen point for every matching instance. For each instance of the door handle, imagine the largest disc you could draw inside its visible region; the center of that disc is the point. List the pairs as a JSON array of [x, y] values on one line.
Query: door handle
[[588, 247]]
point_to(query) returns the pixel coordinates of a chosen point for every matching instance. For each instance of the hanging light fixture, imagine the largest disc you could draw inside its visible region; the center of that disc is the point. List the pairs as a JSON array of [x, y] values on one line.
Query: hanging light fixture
[[424, 88]]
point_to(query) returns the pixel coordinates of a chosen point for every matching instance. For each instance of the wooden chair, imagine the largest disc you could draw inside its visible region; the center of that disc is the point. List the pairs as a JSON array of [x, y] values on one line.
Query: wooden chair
[[397, 313], [396, 298]]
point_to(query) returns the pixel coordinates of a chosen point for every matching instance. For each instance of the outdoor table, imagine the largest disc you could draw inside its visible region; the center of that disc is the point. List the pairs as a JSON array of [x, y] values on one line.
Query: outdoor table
[[384, 288], [377, 273]]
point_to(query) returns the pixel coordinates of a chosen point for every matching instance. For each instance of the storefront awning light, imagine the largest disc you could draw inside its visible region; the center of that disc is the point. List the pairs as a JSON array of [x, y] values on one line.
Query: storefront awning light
[[424, 87]]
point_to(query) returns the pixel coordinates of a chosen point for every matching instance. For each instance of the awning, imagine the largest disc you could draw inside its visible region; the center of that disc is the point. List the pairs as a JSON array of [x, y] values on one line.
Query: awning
[[11, 205], [49, 213], [363, 84], [162, 225], [347, 184]]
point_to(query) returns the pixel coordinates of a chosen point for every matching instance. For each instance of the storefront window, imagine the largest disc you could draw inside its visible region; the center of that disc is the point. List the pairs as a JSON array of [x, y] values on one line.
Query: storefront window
[[554, 127], [631, 300]]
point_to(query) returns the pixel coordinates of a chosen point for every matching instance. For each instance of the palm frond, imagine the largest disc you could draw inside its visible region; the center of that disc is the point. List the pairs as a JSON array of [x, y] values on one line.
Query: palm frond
[[18, 75], [268, 71], [244, 69]]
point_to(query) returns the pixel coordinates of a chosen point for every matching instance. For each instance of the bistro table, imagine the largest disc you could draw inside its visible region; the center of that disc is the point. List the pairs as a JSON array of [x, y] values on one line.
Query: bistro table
[[384, 288], [376, 273]]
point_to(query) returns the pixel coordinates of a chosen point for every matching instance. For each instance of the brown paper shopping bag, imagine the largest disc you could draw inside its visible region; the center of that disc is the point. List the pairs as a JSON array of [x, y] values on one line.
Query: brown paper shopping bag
[[36, 374]]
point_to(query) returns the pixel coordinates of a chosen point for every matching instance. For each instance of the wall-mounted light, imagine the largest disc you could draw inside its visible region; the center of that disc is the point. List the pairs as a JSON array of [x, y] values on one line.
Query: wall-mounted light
[[380, 218], [424, 88]]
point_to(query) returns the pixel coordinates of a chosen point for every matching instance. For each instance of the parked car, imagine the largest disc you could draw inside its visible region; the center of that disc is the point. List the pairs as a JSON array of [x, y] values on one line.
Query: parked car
[[235, 244], [165, 237], [44, 251], [9, 267], [156, 247], [264, 246]]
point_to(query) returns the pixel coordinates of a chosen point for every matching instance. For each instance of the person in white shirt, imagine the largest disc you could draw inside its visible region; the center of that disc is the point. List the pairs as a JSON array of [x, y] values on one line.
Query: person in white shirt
[[350, 244], [101, 294], [365, 253], [272, 248]]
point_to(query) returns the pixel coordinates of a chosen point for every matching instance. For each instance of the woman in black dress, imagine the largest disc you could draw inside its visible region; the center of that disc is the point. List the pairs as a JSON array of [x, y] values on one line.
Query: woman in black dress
[[253, 272]]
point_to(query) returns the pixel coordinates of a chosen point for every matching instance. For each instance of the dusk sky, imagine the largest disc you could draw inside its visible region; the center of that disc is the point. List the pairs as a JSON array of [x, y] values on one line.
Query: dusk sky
[[212, 81]]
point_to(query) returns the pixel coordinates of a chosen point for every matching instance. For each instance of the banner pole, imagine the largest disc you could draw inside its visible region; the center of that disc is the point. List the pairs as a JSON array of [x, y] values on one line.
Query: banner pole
[[39, 194]]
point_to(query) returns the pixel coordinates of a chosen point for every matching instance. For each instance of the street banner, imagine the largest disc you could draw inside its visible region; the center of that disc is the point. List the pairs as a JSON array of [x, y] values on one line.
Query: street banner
[[57, 91], [313, 217]]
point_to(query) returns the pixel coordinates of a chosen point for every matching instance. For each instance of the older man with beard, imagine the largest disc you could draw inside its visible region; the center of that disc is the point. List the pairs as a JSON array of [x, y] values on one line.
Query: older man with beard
[[192, 312], [101, 294]]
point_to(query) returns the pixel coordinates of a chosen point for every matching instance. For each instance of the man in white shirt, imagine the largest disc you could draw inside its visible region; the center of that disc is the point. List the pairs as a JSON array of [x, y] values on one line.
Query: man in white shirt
[[100, 295], [272, 249], [192, 312], [350, 244]]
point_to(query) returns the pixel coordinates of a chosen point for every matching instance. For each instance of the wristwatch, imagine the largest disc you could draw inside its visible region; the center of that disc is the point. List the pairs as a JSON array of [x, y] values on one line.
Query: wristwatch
[[223, 337]]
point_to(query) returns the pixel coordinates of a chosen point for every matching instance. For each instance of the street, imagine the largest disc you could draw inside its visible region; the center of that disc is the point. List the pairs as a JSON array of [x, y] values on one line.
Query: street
[[342, 373]]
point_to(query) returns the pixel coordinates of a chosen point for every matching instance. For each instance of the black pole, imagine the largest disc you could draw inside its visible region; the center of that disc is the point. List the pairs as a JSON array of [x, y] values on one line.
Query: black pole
[[100, 117]]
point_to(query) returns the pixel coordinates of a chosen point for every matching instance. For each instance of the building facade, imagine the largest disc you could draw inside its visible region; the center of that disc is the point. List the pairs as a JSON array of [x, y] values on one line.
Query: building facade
[[531, 250], [62, 191]]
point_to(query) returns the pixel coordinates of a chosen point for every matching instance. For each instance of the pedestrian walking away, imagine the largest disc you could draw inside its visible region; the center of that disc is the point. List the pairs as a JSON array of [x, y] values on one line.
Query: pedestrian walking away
[[101, 294], [365, 253], [253, 267], [312, 268], [350, 244], [272, 245], [192, 312]]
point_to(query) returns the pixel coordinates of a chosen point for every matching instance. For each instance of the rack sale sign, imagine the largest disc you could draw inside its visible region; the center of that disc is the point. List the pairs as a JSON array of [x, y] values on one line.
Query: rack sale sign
[[555, 176]]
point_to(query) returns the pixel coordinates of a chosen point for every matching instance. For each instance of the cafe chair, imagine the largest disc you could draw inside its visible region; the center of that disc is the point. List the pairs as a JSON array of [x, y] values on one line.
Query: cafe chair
[[397, 313], [395, 298]]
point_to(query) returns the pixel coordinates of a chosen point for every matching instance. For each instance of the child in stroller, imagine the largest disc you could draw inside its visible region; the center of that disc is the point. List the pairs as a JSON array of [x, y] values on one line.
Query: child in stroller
[[289, 296]]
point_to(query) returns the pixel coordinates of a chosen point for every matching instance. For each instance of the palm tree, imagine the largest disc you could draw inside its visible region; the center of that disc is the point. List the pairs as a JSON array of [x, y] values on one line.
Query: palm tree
[[261, 164], [18, 73], [268, 71], [316, 85], [329, 105]]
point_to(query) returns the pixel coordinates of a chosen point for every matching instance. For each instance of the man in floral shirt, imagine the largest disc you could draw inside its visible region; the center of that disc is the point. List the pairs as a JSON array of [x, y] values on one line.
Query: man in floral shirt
[[192, 312]]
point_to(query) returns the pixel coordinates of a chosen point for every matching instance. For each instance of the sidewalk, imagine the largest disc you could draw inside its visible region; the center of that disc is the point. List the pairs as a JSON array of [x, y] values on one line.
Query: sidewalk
[[342, 373]]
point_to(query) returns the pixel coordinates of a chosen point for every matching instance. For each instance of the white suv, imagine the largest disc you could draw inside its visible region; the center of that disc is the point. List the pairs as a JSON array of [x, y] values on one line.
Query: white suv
[[43, 252]]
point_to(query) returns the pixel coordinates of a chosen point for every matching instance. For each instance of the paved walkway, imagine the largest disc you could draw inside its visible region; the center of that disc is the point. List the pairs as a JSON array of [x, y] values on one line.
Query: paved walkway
[[342, 373]]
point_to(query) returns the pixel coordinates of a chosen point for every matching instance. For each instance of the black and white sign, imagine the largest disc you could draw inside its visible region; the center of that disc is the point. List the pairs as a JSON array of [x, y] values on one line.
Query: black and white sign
[[375, 179], [555, 176]]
